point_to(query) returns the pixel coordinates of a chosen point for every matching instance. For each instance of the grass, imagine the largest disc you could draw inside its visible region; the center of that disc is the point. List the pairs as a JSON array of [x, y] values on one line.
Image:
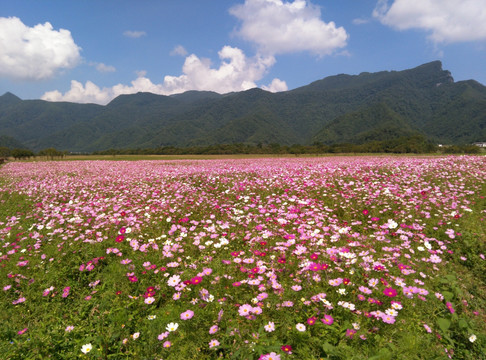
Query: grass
[[249, 232]]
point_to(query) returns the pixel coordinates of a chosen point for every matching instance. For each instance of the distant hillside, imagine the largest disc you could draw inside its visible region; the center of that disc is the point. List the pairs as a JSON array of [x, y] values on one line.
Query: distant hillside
[[342, 108], [10, 142]]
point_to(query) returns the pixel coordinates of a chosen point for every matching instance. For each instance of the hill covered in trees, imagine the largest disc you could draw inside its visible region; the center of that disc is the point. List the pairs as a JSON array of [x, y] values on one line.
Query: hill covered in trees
[[356, 109]]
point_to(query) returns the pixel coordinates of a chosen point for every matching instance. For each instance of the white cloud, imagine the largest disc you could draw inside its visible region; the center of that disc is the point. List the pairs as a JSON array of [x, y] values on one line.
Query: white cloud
[[236, 72], [89, 93], [279, 27], [34, 53], [447, 21], [359, 21], [103, 68], [134, 34], [179, 50], [276, 85]]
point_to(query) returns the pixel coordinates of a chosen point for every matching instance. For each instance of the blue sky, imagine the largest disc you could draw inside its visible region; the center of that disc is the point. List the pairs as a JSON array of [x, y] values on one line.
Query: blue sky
[[93, 51]]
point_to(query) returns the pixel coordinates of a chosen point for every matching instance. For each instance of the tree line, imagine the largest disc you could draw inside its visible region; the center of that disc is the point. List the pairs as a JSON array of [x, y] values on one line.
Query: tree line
[[416, 144], [20, 154]]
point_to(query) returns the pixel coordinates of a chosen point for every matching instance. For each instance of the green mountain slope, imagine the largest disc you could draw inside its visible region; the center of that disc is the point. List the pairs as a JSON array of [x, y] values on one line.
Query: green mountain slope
[[375, 122], [343, 108]]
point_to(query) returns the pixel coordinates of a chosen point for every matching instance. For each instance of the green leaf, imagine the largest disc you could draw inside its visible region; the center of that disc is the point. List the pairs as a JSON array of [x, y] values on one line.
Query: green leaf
[[447, 295], [463, 324], [450, 278], [328, 348], [444, 324], [382, 355]]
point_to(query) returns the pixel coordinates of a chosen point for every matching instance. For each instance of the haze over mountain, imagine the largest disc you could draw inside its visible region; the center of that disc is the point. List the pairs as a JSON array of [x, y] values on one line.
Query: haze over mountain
[[343, 108]]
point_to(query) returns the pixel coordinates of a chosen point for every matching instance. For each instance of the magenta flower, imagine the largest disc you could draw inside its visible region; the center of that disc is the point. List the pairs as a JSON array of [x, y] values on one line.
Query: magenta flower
[[311, 320], [196, 280], [390, 292], [65, 291], [287, 349], [449, 306], [328, 320]]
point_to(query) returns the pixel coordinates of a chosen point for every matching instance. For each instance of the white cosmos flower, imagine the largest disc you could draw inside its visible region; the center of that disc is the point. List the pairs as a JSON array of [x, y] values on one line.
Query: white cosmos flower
[[172, 327], [300, 327], [86, 348]]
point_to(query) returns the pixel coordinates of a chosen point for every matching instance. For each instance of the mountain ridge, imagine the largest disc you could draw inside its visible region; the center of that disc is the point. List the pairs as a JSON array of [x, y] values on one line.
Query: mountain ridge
[[340, 108]]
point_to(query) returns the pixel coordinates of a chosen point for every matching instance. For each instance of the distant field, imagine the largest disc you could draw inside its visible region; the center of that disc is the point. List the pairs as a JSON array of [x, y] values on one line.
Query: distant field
[[243, 257]]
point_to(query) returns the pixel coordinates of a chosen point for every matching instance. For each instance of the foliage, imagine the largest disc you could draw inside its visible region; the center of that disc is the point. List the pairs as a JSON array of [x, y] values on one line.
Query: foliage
[[22, 154], [51, 153]]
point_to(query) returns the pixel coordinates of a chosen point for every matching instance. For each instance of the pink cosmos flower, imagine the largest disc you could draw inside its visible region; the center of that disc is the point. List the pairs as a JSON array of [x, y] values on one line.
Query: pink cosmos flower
[[271, 356], [262, 296], [186, 315], [163, 336], [270, 326], [213, 329], [245, 310], [335, 282], [213, 343], [149, 300], [256, 310], [388, 319]]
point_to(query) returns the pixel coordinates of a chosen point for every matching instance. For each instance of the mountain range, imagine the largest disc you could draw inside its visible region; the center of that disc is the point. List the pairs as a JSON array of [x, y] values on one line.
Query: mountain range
[[355, 109]]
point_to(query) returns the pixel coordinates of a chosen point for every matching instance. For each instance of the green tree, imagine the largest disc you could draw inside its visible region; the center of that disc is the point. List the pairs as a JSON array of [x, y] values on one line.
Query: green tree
[[22, 154], [4, 152]]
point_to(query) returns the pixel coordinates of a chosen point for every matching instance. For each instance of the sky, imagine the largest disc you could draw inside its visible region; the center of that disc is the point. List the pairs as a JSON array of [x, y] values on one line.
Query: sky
[[90, 51]]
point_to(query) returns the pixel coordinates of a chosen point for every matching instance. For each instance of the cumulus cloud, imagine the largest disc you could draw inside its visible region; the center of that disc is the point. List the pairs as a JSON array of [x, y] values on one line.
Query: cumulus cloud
[[236, 72], [103, 68], [279, 27], [447, 21], [134, 34], [179, 50], [276, 85], [35, 53]]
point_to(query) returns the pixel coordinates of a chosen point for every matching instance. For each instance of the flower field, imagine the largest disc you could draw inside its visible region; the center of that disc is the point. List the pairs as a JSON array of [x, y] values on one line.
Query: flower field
[[302, 258]]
